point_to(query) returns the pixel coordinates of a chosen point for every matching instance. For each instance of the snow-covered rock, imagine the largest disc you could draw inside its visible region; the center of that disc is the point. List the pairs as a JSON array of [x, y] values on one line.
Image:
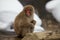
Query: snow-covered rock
[[8, 11], [53, 7]]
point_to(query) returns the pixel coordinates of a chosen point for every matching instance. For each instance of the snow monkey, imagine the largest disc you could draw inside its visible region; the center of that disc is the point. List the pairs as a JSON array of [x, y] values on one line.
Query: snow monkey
[[24, 22]]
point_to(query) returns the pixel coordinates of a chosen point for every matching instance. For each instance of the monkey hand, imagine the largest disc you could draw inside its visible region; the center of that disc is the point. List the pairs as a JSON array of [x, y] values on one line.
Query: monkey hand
[[33, 22]]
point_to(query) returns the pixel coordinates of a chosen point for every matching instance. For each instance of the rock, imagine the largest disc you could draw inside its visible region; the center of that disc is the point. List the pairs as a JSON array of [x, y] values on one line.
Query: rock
[[48, 35]]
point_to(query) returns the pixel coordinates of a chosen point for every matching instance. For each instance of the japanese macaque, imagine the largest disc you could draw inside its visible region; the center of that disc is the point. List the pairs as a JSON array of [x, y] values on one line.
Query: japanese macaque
[[24, 22]]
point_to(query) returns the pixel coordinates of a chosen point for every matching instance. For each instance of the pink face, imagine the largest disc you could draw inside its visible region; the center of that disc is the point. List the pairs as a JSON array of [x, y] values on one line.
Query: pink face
[[28, 11]]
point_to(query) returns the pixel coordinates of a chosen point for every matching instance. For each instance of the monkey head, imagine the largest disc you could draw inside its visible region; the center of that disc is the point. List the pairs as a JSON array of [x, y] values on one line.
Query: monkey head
[[28, 10]]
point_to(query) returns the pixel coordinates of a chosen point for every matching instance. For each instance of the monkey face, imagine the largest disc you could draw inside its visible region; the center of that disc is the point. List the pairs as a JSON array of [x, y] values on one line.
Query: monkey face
[[29, 10]]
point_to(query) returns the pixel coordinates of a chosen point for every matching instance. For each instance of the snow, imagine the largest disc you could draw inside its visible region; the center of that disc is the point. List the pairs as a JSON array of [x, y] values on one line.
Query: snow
[[53, 7]]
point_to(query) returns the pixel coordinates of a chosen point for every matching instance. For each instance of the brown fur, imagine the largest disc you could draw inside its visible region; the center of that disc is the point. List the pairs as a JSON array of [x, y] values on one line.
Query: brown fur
[[24, 24]]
